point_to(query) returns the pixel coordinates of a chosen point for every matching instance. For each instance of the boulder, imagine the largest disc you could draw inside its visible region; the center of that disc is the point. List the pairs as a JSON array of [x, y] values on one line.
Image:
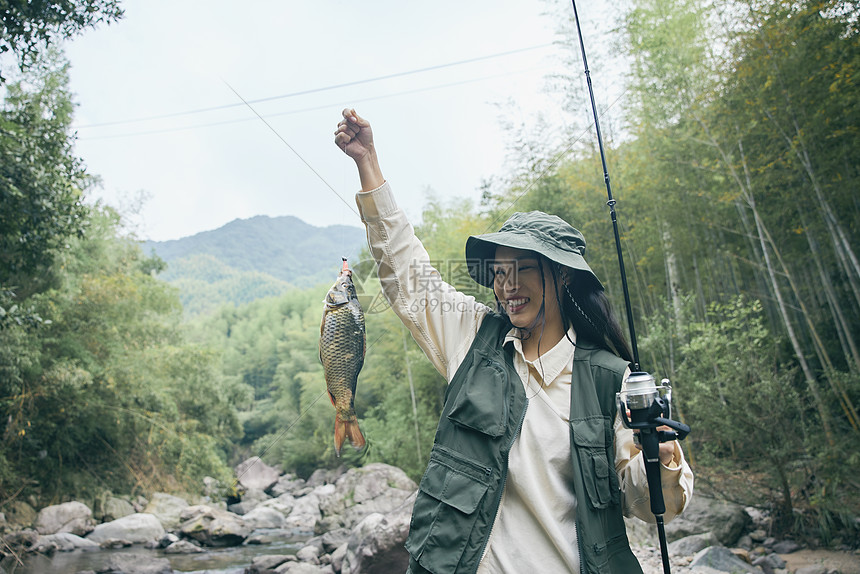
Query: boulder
[[183, 547], [814, 569], [726, 520], [114, 508], [136, 528], [74, 517], [251, 499], [323, 476], [691, 545], [306, 511], [287, 484], [722, 560], [136, 564], [254, 473], [263, 517], [786, 547], [283, 504], [213, 526], [266, 564], [376, 544], [302, 568], [19, 514], [166, 508], [65, 542], [375, 488]]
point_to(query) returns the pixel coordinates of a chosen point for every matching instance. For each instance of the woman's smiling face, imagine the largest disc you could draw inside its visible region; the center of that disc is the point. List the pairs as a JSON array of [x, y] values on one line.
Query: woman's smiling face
[[519, 288]]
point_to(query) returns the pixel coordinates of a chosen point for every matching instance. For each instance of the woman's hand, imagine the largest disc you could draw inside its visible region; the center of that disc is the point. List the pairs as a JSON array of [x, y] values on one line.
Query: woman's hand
[[354, 135], [667, 449], [355, 138]]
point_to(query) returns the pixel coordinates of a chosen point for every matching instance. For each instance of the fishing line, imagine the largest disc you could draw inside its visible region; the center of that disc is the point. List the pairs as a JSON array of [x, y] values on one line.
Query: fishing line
[[298, 155], [323, 89]]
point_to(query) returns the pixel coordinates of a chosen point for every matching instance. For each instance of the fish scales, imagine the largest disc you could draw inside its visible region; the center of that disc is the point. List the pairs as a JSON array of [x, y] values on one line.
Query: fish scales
[[342, 347]]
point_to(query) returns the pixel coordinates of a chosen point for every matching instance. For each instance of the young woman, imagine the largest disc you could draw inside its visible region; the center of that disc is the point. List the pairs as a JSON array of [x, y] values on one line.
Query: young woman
[[531, 470]]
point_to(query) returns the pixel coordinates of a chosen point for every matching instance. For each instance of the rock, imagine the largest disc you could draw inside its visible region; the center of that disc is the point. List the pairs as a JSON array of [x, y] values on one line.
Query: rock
[[811, 570], [168, 539], [375, 488], [745, 542], [136, 528], [337, 557], [263, 517], [309, 554], [786, 547], [306, 511], [254, 473], [334, 539], [302, 568], [212, 526], [726, 520], [268, 563], [323, 476], [114, 508], [66, 542], [287, 484], [114, 543], [3, 524], [136, 564], [21, 540], [283, 504], [183, 547], [251, 498], [166, 508], [758, 535], [690, 545], [270, 536], [19, 514], [376, 544], [74, 517], [722, 560]]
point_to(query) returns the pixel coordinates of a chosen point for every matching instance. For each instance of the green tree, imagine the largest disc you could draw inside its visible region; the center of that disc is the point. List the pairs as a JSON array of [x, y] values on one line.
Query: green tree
[[29, 26]]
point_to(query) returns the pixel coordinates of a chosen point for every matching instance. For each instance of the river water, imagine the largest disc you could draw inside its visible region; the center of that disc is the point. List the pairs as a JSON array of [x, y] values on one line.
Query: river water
[[231, 560]]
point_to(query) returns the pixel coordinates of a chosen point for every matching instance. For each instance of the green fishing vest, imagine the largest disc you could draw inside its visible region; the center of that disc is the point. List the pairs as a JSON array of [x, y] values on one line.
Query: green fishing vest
[[485, 405]]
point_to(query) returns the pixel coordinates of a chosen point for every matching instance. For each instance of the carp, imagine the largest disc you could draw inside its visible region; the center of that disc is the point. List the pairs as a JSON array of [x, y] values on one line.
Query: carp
[[342, 345]]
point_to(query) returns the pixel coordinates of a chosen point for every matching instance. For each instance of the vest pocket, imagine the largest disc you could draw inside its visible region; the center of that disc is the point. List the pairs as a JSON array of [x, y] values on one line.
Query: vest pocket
[[445, 510], [482, 403], [590, 438]]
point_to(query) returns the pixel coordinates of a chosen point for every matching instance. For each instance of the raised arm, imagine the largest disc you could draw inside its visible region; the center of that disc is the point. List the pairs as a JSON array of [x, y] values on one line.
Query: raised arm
[[442, 320]]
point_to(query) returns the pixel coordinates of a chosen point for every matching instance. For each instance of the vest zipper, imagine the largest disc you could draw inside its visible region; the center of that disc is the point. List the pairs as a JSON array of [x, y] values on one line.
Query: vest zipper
[[501, 489]]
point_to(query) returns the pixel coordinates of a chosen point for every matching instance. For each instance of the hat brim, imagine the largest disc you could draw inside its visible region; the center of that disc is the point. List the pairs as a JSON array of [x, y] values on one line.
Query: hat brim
[[481, 253]]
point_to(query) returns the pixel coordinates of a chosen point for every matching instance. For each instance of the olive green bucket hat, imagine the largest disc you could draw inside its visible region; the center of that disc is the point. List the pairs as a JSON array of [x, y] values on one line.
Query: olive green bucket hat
[[548, 235]]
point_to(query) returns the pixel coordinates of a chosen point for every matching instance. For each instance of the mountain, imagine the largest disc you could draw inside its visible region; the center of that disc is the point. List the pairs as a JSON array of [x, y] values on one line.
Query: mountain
[[247, 259]]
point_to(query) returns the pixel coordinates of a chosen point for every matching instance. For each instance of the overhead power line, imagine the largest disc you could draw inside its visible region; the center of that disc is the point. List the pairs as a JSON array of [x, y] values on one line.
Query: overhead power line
[[314, 90], [298, 111]]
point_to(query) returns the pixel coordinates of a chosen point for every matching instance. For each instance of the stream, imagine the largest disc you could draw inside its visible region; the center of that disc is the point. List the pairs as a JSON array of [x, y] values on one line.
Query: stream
[[231, 560]]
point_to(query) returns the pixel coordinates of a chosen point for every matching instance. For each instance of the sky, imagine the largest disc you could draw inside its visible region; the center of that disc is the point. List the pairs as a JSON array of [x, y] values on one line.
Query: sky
[[161, 120]]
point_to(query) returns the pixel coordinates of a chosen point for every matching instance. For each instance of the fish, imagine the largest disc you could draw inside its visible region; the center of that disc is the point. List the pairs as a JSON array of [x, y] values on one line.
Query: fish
[[342, 345]]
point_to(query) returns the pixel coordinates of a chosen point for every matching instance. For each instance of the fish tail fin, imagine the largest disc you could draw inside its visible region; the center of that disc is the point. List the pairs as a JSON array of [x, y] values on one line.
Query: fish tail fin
[[344, 429]]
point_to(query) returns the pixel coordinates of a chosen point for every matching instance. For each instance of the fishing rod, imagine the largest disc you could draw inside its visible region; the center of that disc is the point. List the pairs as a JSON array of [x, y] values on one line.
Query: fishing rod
[[649, 405]]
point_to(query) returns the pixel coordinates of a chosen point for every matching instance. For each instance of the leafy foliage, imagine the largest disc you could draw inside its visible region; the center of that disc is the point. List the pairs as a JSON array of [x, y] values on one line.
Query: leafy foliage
[[28, 27]]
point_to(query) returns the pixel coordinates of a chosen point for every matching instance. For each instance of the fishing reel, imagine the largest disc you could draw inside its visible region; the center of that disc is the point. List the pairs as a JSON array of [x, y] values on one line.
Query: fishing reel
[[649, 407]]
